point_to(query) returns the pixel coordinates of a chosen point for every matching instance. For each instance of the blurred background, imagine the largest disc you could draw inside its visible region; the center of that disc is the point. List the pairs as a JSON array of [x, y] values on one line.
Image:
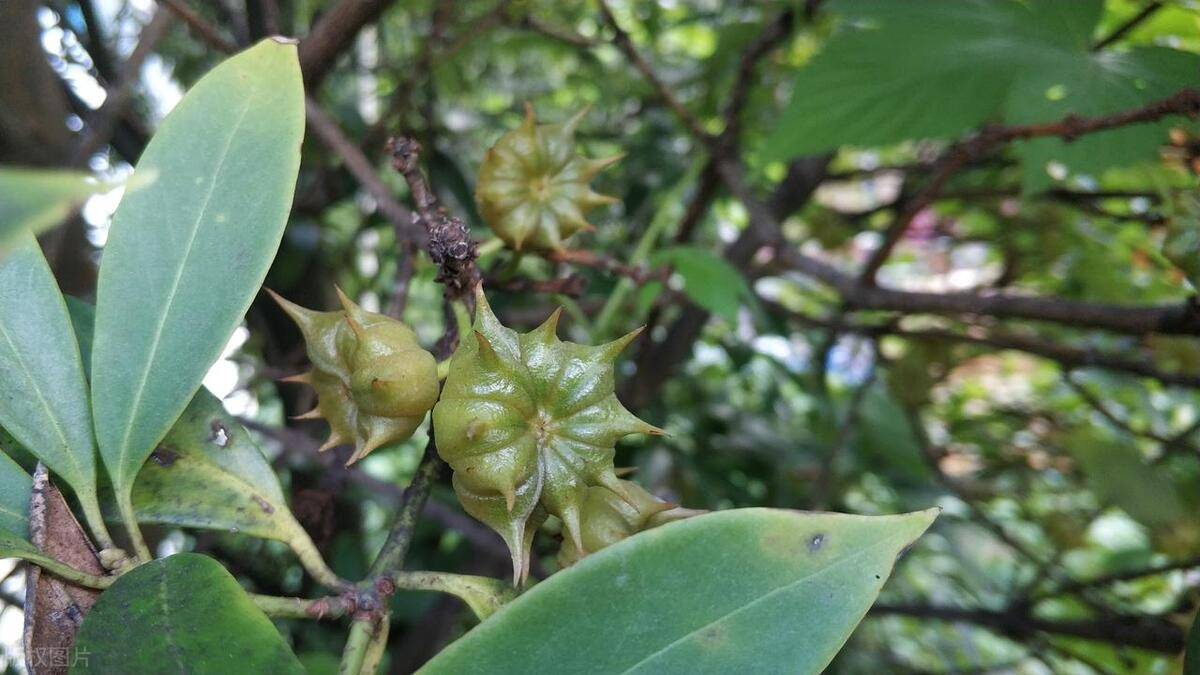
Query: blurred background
[[890, 255]]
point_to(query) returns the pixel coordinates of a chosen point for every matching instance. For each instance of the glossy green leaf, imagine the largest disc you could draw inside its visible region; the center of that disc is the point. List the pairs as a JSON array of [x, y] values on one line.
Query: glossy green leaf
[[208, 473], [708, 280], [896, 71], [182, 614], [186, 254], [15, 486], [37, 199], [43, 392], [750, 590]]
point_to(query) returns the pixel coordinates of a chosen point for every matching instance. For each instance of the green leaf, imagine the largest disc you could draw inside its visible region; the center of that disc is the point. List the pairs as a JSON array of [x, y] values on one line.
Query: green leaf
[[186, 254], [37, 199], [1094, 86], [43, 392], [1116, 473], [15, 486], [209, 473], [181, 614], [708, 280], [750, 590], [899, 71]]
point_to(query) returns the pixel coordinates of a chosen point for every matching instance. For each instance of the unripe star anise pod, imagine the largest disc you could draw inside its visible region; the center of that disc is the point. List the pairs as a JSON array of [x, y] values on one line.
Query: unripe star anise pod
[[374, 382], [607, 518], [528, 423], [533, 187]]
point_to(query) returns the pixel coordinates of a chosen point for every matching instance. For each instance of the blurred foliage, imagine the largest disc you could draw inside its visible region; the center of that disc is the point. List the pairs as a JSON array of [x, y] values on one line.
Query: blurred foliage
[[1048, 476]]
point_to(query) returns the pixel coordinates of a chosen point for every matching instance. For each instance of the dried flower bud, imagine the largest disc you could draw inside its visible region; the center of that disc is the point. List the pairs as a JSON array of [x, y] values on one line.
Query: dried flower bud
[[533, 187], [526, 420], [374, 382]]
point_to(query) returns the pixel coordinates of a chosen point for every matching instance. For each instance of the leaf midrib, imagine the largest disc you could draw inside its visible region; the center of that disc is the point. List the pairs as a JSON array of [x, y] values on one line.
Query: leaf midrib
[[139, 392], [168, 632], [832, 564]]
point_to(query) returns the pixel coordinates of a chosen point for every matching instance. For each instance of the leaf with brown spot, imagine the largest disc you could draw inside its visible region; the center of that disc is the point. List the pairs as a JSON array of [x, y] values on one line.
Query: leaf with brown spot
[[54, 609], [740, 591], [219, 481]]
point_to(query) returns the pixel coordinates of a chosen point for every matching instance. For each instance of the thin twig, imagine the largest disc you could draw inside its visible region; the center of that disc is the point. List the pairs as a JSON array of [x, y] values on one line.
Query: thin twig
[[206, 31], [395, 549], [105, 120], [625, 44], [1133, 22]]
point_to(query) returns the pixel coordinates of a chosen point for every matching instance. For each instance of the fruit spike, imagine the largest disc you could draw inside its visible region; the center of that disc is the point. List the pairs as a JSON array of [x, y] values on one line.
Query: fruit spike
[[533, 187], [610, 514], [528, 420], [374, 383]]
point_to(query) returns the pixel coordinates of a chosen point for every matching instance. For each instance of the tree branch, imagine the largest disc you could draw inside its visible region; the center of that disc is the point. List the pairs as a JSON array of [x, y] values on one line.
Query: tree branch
[[331, 135], [332, 34], [1071, 127], [203, 29], [104, 121], [1181, 318], [625, 44], [1149, 633], [1124, 29]]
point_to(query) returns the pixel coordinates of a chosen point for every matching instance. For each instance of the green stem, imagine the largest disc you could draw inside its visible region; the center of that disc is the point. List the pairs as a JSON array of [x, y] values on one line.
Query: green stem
[[64, 571], [513, 265], [332, 607], [95, 520], [129, 519], [310, 558], [462, 319], [391, 556], [489, 247], [484, 595], [362, 633], [377, 647]]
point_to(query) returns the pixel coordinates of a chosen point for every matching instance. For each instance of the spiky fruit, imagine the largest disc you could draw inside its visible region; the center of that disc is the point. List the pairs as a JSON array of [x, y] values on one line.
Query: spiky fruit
[[607, 518], [374, 382], [533, 187], [529, 421]]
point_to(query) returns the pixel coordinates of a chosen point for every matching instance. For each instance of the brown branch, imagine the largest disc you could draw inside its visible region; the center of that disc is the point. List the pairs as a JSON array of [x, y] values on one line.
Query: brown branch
[[1101, 408], [1181, 318], [582, 258], [772, 35], [571, 285], [1149, 633], [625, 44], [203, 29], [449, 239], [1117, 577], [536, 25], [104, 121], [1071, 127], [332, 34], [97, 46], [331, 135], [1068, 357]]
